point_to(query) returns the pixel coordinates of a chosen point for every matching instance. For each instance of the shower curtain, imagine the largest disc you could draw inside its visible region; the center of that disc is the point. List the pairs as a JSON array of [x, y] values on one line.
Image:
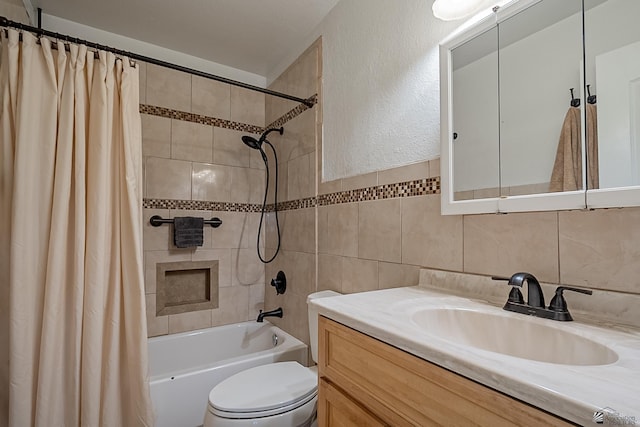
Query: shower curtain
[[74, 352]]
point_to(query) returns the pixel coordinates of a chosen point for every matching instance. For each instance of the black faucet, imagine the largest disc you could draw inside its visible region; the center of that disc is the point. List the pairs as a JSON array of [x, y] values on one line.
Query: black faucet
[[273, 313], [535, 298]]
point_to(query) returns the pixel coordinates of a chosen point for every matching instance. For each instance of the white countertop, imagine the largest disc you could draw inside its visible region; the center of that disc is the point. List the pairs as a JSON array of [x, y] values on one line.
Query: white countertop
[[569, 391]]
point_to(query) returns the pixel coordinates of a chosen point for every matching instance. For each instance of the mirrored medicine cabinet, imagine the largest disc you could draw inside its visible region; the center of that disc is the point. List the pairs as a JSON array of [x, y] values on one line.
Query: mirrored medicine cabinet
[[540, 108]]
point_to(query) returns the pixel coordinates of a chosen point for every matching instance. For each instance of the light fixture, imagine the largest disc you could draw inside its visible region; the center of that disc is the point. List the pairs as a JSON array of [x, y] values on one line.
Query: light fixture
[[450, 10]]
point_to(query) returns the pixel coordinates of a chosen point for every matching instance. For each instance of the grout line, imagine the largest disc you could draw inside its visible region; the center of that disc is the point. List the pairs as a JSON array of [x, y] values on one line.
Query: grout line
[[191, 93], [558, 243], [171, 142], [463, 228], [402, 202]]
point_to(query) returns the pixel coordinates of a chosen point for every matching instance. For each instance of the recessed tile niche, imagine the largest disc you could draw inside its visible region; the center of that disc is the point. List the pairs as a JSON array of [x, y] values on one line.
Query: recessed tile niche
[[186, 286]]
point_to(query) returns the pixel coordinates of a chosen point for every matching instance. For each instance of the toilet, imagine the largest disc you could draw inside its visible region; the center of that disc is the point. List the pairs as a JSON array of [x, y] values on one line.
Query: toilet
[[282, 394]]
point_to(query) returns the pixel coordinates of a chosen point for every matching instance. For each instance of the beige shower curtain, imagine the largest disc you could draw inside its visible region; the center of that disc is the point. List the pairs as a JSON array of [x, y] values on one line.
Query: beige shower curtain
[[74, 353]]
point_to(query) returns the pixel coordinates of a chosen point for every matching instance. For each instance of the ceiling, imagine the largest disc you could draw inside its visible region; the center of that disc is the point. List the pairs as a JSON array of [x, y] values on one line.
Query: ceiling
[[250, 35]]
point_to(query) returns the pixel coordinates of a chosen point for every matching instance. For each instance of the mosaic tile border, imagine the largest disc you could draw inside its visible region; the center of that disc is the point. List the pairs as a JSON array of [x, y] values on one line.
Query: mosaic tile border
[[289, 205], [223, 123], [419, 187], [199, 205], [198, 118]]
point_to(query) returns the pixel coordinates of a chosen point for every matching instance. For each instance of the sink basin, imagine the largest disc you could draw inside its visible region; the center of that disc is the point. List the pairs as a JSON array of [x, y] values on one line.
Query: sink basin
[[516, 337]]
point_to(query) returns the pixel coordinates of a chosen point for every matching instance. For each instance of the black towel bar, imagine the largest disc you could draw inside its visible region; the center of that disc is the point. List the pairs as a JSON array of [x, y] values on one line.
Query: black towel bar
[[157, 221]]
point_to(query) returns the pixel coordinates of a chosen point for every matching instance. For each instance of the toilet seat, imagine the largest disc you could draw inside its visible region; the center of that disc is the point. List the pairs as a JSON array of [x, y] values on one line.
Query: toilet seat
[[264, 391]]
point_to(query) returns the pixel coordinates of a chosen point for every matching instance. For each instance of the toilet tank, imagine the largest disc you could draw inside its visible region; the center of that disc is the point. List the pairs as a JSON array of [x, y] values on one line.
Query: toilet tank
[[313, 321]]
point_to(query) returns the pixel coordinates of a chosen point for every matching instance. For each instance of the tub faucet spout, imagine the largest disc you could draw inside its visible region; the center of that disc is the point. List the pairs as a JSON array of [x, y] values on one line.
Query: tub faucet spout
[[273, 313]]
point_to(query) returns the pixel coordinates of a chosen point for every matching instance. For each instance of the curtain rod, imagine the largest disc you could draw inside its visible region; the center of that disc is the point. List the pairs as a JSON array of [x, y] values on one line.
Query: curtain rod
[[4, 22]]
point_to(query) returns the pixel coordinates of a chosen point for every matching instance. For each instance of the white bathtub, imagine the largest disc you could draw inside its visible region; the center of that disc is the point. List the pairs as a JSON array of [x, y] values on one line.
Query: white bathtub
[[185, 367]]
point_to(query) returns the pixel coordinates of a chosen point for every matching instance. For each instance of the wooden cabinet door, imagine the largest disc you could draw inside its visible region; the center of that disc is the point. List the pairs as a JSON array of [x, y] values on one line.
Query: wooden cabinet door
[[401, 389], [336, 409]]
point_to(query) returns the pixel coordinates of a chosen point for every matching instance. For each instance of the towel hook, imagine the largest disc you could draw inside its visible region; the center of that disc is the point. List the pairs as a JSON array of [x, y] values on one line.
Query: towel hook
[[591, 99], [575, 102]]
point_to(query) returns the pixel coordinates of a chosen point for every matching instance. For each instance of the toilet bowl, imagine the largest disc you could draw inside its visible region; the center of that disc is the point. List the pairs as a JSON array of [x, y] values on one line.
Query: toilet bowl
[[282, 394]]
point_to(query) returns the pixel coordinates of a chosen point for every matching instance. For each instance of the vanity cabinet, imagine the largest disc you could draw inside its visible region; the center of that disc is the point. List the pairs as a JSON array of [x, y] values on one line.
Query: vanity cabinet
[[365, 382]]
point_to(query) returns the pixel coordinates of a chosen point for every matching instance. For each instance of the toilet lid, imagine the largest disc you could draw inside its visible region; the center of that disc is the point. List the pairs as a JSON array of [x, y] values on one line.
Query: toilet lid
[[264, 388]]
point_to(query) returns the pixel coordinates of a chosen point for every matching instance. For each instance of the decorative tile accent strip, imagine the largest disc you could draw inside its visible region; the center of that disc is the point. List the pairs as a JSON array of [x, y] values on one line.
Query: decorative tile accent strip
[[199, 205], [419, 187], [222, 123], [197, 118], [293, 113], [309, 202]]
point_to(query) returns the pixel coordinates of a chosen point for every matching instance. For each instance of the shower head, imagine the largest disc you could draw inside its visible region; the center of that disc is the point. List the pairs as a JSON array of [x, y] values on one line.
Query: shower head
[[251, 142], [256, 144]]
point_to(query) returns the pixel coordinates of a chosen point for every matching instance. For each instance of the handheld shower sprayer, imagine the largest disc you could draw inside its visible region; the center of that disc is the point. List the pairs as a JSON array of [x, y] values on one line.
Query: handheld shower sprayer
[[256, 144]]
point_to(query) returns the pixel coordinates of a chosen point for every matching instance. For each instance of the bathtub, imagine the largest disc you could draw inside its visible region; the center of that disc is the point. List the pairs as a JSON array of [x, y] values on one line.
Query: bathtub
[[185, 367]]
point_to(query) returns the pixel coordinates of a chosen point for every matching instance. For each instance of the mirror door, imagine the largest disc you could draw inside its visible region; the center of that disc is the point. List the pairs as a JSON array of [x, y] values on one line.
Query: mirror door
[[612, 51], [540, 61], [475, 136]]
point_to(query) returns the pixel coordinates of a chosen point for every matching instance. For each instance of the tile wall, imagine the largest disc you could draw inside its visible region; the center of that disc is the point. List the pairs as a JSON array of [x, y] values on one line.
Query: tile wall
[[377, 230], [367, 240], [297, 160], [367, 232], [195, 164]]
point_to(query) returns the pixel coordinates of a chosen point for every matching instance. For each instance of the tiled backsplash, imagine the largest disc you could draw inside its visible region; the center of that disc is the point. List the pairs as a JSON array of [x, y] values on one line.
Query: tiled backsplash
[[591, 248], [600, 307]]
